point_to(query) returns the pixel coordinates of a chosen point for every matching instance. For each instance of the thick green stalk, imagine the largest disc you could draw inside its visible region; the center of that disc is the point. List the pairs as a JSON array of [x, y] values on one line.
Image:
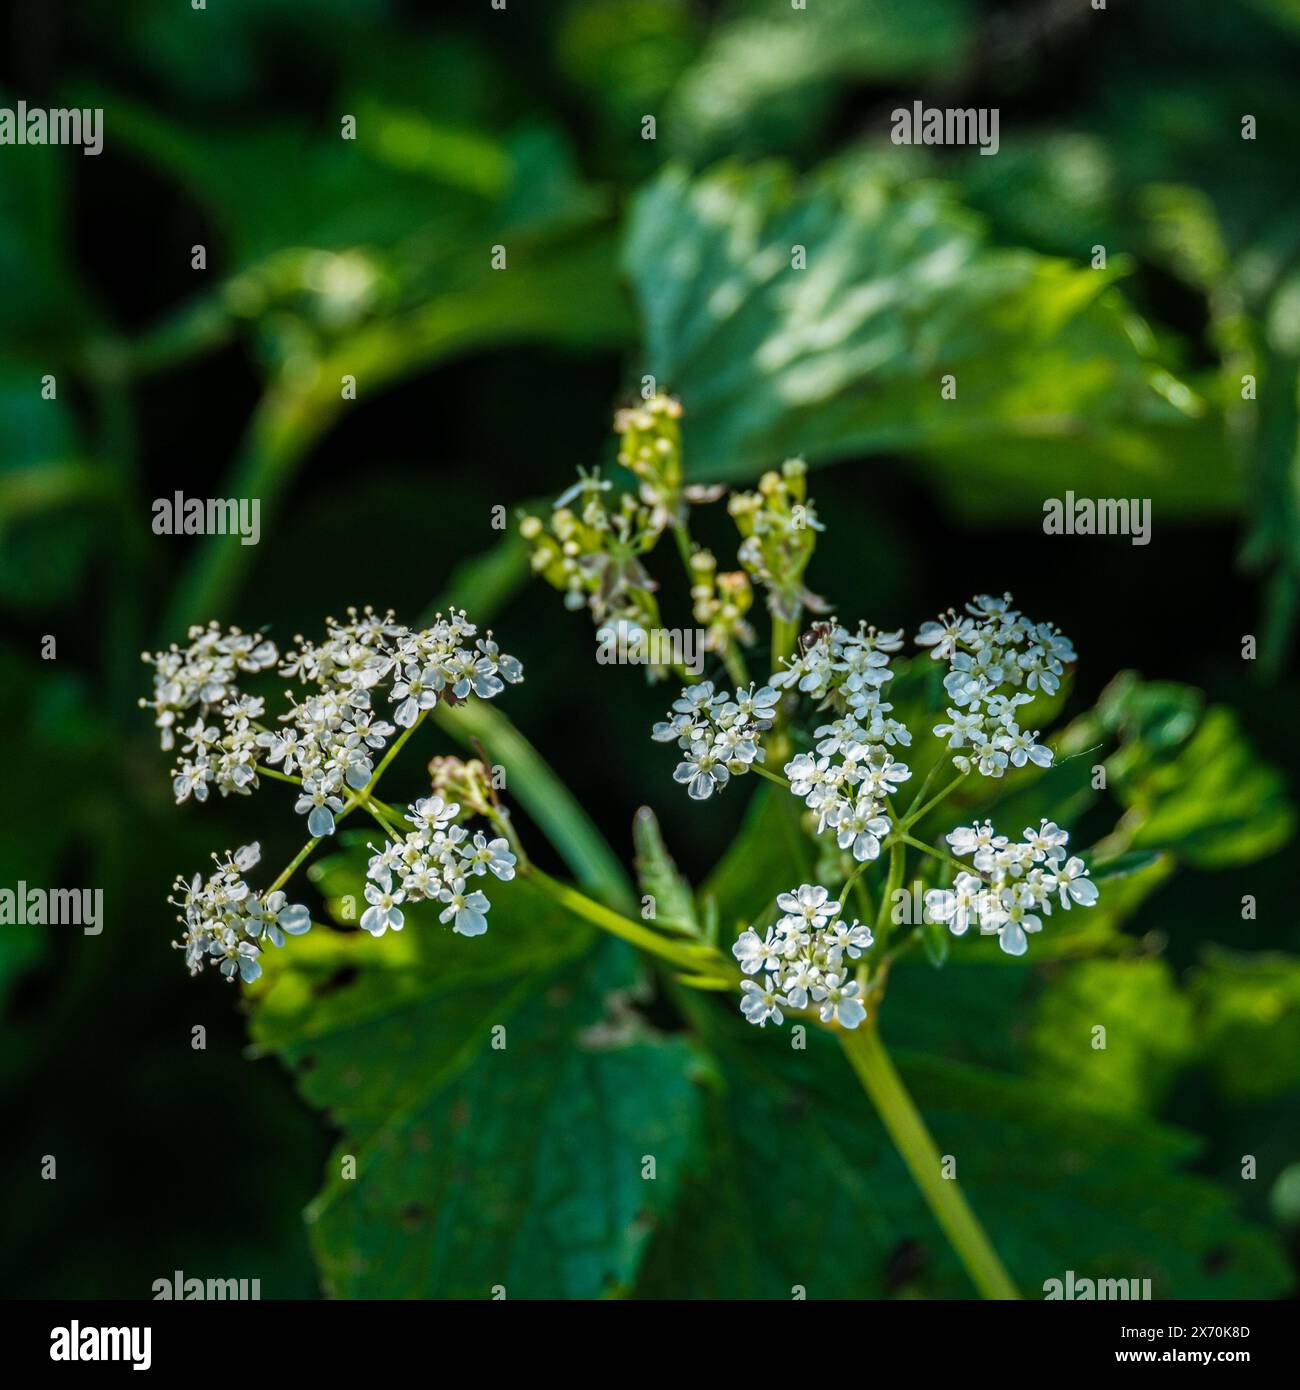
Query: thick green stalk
[[737, 671], [875, 1070], [785, 638]]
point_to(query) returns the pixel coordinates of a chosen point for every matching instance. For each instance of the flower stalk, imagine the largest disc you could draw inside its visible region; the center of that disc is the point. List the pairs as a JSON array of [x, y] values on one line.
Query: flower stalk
[[880, 1080]]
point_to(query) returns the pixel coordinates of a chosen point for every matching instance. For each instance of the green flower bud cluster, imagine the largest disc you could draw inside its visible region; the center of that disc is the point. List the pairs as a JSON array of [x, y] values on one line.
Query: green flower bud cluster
[[779, 525]]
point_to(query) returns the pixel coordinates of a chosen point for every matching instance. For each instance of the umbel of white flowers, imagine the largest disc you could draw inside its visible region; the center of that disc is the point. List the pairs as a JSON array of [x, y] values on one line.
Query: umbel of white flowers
[[997, 661], [800, 961], [994, 656], [225, 921], [328, 740], [330, 736], [1014, 881]]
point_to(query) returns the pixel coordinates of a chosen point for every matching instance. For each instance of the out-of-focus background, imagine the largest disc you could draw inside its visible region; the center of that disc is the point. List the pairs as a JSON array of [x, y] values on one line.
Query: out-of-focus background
[[1102, 287]]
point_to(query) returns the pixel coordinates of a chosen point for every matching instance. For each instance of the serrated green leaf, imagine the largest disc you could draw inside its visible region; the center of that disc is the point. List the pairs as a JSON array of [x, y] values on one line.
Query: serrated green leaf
[[501, 1105], [658, 876]]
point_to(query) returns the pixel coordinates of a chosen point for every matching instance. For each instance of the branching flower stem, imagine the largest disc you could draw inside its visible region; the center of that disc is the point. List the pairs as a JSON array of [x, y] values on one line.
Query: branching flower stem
[[897, 858], [705, 967], [934, 853], [914, 814], [357, 798], [697, 958]]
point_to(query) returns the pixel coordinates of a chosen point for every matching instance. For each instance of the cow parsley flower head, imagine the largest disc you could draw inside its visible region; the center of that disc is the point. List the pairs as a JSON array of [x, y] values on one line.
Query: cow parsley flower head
[[1014, 884], [718, 734], [779, 526], [357, 694], [438, 860], [203, 676], [223, 920], [851, 772], [802, 961], [997, 661], [370, 677]]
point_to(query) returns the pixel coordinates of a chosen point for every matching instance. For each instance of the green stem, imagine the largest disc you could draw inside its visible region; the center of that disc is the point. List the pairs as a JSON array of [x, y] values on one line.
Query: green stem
[[372, 808], [392, 752], [785, 638], [934, 853], [880, 1080], [925, 786], [735, 664], [500, 817], [895, 879], [699, 960], [361, 798], [682, 535], [913, 816], [771, 776], [864, 897], [264, 771], [293, 864]]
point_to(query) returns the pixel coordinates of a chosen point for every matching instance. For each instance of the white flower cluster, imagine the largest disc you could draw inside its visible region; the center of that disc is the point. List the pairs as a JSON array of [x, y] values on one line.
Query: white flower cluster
[[851, 772], [995, 655], [224, 920], [333, 733], [435, 861], [718, 734], [801, 958], [203, 677], [1014, 881]]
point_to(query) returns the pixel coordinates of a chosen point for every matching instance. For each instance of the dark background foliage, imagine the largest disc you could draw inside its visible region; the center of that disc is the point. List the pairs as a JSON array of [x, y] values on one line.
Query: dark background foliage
[[220, 129]]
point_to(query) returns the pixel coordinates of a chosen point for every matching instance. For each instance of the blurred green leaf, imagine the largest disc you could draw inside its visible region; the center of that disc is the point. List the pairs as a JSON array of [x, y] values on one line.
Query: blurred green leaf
[[1122, 865], [1057, 383], [1249, 1022], [1148, 1034], [769, 74], [1214, 804], [50, 496]]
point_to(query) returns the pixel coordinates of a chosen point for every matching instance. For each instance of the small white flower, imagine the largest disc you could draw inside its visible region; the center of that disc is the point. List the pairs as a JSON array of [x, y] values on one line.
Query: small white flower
[[760, 1002], [469, 910], [1075, 885], [319, 805], [702, 771], [809, 902], [274, 915], [840, 1001], [490, 856], [383, 911], [756, 952]]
